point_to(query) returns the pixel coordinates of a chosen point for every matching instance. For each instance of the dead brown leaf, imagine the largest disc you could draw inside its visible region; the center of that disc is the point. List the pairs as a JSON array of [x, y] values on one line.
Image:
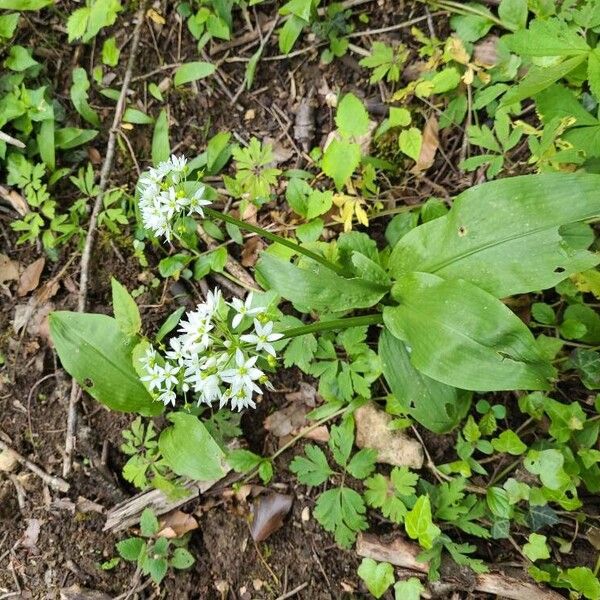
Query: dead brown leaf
[[94, 156], [268, 514], [429, 146], [31, 534], [485, 52], [176, 523], [251, 250], [30, 278], [9, 269], [15, 200]]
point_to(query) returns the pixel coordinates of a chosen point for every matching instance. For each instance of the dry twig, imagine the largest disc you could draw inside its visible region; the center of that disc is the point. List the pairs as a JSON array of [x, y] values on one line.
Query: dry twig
[[54, 482], [91, 234]]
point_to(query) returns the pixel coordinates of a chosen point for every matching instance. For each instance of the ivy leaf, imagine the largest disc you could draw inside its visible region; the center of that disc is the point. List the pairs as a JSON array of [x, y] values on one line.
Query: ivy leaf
[[508, 441], [377, 576], [536, 547], [548, 465], [564, 419], [342, 512], [312, 469], [582, 580], [409, 589], [419, 525]]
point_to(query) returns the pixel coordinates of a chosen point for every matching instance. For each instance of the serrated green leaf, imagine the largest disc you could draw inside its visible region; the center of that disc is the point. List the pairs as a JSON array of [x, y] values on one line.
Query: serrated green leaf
[[148, 523], [342, 512], [130, 548]]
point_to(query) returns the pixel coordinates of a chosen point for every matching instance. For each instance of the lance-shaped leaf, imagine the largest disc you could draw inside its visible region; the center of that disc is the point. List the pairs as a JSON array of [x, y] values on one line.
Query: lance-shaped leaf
[[462, 336], [507, 236], [97, 354], [437, 406], [317, 287]]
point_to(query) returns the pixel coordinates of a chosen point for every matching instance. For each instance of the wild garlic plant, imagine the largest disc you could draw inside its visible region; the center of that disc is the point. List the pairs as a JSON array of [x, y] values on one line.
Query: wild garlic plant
[[215, 356]]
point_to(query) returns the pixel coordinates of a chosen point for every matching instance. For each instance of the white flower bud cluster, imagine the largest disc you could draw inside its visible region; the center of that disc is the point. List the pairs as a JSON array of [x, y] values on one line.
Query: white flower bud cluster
[[163, 196], [214, 357]]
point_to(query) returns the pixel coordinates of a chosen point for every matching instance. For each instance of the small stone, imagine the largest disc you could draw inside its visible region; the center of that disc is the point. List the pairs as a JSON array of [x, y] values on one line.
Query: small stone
[[305, 516], [250, 115], [393, 447], [8, 461]]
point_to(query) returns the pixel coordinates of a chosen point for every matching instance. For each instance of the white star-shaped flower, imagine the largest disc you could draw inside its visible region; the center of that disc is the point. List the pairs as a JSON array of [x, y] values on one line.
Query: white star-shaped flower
[[262, 337], [244, 309]]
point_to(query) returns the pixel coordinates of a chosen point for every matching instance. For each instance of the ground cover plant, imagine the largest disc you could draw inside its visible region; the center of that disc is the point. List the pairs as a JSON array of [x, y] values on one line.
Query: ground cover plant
[[300, 298]]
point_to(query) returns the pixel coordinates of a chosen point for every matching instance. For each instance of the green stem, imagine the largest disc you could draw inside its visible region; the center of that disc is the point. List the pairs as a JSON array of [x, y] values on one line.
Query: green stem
[[273, 237], [334, 324], [461, 9]]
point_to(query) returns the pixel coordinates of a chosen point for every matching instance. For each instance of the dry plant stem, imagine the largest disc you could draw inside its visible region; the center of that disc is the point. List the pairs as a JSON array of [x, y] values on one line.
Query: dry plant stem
[[54, 482], [91, 233], [402, 553], [4, 137]]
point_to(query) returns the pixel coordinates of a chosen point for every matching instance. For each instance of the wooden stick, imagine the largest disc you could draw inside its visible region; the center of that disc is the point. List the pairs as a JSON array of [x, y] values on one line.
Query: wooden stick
[[54, 482], [404, 554], [91, 233]]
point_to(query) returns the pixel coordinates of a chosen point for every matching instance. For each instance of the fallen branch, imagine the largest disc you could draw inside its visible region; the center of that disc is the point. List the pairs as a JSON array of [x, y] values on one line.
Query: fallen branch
[[9, 139], [402, 553], [91, 233], [127, 513], [54, 482]]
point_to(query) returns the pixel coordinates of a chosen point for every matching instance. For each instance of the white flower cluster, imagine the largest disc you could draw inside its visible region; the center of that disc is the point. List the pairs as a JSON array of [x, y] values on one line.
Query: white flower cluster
[[215, 355], [163, 197]]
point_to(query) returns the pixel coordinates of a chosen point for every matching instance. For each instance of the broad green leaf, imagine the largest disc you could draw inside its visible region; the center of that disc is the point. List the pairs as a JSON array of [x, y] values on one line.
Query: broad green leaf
[[161, 149], [242, 461], [539, 78], [24, 4], [437, 406], [79, 97], [102, 14], [409, 589], [46, 143], [148, 523], [410, 142], [125, 309], [300, 8], [471, 27], [340, 160], [594, 72], [378, 577], [513, 13], [462, 336], [71, 137], [351, 118], [110, 52], [508, 441], [130, 548], [94, 351], [189, 450], [317, 287], [8, 24], [582, 580], [419, 524], [193, 71], [133, 115], [547, 37], [491, 227], [77, 23], [182, 559], [170, 323], [290, 32], [19, 59]]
